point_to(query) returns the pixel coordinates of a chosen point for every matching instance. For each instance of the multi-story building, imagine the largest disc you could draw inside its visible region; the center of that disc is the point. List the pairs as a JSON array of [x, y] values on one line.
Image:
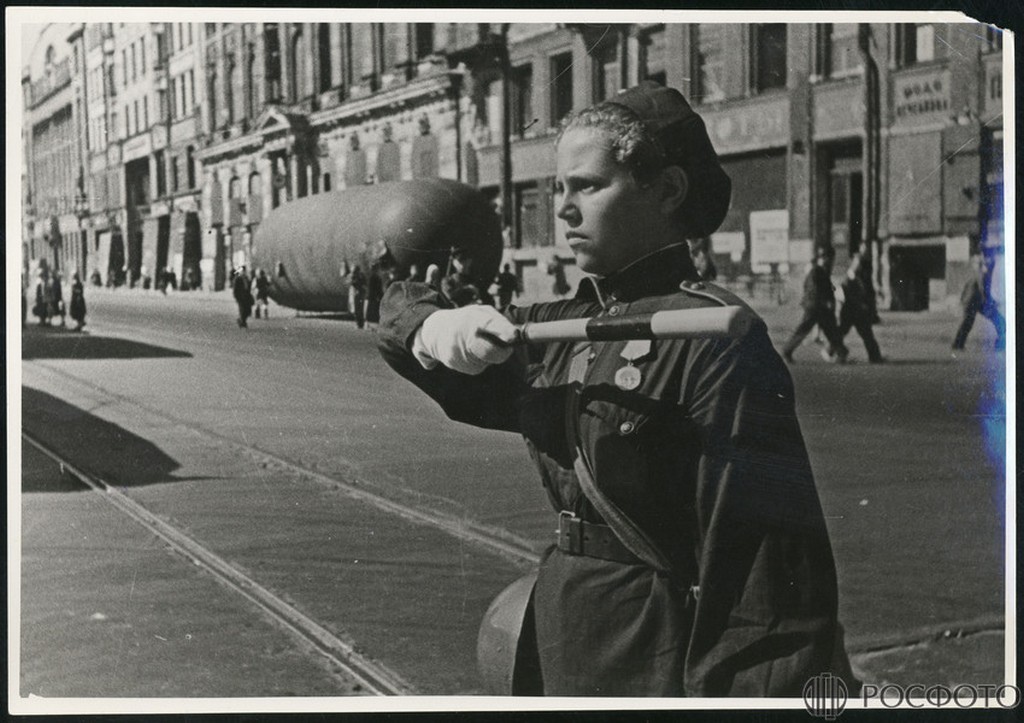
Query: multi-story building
[[53, 178], [204, 128]]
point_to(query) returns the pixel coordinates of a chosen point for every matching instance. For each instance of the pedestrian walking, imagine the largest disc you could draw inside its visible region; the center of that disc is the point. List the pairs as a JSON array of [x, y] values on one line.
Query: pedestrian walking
[[692, 556], [819, 306], [700, 251], [240, 287], [357, 295], [41, 308], [56, 298], [77, 302], [857, 310], [433, 276], [460, 287], [559, 285], [262, 284], [976, 298], [508, 284]]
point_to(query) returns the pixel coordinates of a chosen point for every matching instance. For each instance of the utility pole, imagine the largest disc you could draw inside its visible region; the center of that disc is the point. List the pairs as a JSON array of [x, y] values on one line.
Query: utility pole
[[871, 163]]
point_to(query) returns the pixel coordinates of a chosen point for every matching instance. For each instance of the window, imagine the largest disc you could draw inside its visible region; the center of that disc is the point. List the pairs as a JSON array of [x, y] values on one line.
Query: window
[[915, 43], [272, 71], [768, 58], [424, 39], [134, 64], [211, 28], [124, 64], [250, 82], [362, 52], [323, 43], [161, 173], [127, 120], [175, 174], [145, 112], [191, 96], [652, 56], [135, 109], [838, 55], [606, 71], [188, 33], [522, 100], [190, 167], [709, 62], [993, 40], [296, 58], [142, 56], [561, 87]]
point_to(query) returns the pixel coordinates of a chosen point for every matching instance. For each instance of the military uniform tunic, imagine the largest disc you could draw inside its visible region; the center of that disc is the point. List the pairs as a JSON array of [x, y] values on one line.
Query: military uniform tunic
[[705, 455]]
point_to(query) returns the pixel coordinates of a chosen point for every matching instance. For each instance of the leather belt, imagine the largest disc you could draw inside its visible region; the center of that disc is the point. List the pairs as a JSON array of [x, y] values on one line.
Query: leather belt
[[589, 539]]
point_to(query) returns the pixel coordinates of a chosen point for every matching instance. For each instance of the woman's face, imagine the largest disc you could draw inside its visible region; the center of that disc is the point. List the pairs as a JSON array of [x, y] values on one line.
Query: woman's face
[[610, 216]]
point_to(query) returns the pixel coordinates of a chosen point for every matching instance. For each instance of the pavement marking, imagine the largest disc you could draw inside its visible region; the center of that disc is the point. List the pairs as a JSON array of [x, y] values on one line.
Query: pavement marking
[[374, 677]]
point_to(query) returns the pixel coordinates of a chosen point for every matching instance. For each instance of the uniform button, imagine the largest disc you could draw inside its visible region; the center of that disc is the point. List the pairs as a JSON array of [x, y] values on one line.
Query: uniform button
[[626, 427], [613, 311]]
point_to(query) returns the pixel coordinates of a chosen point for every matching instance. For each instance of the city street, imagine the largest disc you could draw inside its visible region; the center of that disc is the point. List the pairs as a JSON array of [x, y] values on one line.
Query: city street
[[345, 498]]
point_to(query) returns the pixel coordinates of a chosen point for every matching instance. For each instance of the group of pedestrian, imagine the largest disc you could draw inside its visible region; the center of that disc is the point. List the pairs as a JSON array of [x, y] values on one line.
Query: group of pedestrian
[[242, 286], [49, 300], [858, 310]]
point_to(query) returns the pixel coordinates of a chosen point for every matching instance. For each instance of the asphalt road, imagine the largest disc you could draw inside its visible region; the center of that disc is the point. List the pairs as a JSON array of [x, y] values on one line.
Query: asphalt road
[[259, 443]]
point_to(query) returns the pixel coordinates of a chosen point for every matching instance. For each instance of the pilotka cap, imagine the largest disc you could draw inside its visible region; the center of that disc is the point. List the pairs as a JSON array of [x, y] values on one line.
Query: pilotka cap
[[683, 135]]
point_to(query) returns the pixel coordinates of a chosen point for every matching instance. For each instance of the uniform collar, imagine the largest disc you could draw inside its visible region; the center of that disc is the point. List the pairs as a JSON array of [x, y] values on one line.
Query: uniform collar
[[658, 273]]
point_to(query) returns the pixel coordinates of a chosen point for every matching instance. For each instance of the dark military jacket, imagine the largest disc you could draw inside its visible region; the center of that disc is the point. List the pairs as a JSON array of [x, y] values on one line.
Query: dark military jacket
[[705, 456]]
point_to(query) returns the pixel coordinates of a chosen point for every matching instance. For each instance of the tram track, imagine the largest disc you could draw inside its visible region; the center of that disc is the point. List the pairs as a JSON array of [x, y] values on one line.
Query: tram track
[[371, 676], [401, 503]]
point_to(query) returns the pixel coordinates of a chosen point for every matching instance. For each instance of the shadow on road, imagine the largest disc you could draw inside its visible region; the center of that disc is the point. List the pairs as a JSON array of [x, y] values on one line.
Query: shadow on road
[[92, 444], [58, 343]]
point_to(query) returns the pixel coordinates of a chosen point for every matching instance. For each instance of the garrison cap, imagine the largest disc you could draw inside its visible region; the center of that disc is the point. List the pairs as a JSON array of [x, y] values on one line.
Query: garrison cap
[[683, 135]]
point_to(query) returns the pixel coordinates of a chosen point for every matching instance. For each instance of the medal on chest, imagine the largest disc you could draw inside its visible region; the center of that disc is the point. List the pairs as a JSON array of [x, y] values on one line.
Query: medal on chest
[[629, 377]]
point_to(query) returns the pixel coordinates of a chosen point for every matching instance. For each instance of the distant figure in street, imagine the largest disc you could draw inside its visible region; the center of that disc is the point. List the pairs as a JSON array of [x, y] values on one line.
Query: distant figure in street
[[262, 284], [508, 284], [819, 305], [41, 308], [433, 277], [857, 310], [977, 297], [188, 279], [56, 298], [95, 279], [460, 287], [357, 295], [171, 279], [243, 296], [77, 302], [700, 252], [560, 286]]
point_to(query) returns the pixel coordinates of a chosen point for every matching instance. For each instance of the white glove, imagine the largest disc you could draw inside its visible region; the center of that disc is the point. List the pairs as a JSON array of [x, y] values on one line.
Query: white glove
[[467, 339]]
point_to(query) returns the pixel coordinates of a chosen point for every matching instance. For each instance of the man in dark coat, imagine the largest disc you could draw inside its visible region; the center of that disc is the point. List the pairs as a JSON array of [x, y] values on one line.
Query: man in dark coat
[[858, 310], [240, 288], [819, 305], [692, 556]]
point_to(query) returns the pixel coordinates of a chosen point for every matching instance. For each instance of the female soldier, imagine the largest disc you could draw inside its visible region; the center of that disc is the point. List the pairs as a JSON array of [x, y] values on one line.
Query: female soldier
[[692, 556]]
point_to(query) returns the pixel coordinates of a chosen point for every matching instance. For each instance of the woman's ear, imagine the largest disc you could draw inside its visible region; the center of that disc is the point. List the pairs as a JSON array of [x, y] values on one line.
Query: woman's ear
[[674, 187]]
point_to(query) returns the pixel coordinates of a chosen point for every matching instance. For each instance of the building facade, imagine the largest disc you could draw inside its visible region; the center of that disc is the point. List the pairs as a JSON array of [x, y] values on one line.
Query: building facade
[[833, 134]]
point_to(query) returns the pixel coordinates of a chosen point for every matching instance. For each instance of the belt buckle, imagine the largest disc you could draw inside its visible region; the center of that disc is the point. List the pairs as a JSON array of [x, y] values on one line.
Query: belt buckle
[[571, 527]]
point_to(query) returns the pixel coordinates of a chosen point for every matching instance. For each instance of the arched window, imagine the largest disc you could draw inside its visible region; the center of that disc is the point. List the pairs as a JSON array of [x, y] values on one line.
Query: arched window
[[50, 60]]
